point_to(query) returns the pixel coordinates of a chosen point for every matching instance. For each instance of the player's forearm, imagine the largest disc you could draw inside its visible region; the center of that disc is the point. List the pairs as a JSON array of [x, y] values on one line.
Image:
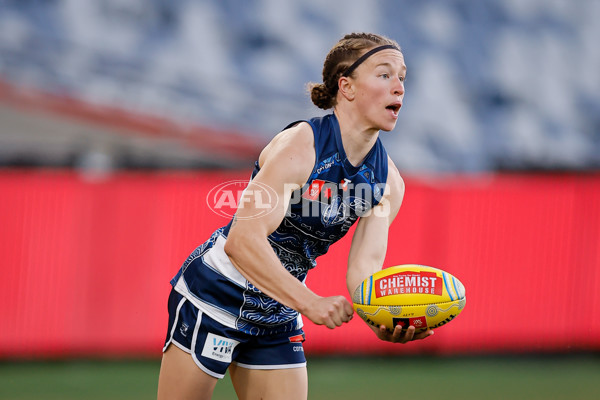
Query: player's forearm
[[353, 279], [367, 254], [358, 272], [254, 258]]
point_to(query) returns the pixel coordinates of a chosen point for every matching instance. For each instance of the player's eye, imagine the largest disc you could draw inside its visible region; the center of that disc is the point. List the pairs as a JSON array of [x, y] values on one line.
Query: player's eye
[[385, 76]]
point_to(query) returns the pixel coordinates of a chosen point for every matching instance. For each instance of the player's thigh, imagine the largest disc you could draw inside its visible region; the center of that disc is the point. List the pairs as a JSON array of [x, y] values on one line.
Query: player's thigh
[[269, 384], [180, 378]]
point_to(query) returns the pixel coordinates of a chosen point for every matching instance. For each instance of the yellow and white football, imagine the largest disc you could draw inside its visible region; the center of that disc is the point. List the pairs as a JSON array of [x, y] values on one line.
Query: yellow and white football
[[424, 297]]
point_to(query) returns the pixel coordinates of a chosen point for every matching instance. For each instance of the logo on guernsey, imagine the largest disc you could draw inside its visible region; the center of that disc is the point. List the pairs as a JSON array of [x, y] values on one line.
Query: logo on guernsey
[[410, 282], [314, 190], [219, 348]]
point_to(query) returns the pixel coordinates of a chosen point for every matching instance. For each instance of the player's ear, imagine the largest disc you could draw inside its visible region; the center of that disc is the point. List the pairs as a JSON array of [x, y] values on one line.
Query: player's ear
[[346, 88]]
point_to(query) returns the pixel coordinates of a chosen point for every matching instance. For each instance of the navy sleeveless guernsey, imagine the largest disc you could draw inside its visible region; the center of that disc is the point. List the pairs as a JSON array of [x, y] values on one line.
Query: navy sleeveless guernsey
[[336, 194]]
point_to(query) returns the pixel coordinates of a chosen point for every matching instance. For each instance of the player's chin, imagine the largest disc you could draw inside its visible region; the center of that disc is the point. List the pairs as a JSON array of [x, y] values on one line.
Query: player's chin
[[388, 126]]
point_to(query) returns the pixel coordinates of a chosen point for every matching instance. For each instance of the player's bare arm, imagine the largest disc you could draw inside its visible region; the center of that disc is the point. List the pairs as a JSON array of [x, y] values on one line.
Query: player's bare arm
[[369, 246], [286, 164], [369, 243]]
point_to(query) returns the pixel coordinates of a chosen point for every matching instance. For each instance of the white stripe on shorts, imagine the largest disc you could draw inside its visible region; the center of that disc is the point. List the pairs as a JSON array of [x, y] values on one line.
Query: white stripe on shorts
[[198, 363], [283, 366], [174, 325]]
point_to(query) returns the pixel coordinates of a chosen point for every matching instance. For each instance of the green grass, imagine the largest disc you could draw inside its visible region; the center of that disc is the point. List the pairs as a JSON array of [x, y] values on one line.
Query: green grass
[[89, 380], [464, 379], [487, 378]]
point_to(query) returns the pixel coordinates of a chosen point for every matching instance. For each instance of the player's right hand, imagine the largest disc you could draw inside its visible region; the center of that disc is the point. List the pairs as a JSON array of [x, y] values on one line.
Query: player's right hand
[[400, 336], [330, 311]]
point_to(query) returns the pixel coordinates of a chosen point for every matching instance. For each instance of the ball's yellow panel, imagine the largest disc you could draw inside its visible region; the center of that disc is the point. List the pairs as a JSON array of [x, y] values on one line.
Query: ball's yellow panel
[[430, 316], [414, 295]]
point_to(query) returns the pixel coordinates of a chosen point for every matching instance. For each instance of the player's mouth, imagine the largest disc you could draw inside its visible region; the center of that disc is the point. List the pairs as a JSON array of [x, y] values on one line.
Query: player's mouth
[[394, 108]]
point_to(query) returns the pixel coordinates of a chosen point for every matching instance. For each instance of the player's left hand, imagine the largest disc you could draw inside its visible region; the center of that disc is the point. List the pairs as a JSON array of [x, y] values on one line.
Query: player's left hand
[[400, 337]]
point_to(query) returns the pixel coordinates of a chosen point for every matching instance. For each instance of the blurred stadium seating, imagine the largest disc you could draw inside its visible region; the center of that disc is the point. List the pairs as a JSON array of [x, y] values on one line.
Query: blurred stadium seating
[[494, 85]]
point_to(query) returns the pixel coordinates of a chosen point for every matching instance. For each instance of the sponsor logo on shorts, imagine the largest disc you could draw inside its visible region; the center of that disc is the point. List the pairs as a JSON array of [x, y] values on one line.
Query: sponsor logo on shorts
[[219, 348], [298, 349], [409, 282], [297, 338], [184, 329]]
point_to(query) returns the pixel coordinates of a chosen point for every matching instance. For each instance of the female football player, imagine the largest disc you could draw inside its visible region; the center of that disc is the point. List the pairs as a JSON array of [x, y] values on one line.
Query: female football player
[[238, 299]]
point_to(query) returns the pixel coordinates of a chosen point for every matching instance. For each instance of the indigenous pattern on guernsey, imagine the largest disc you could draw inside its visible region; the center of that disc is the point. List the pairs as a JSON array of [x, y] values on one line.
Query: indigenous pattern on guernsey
[[336, 194]]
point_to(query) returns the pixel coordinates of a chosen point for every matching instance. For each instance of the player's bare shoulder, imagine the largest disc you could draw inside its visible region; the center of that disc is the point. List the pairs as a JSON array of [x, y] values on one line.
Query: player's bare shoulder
[[298, 139], [292, 150]]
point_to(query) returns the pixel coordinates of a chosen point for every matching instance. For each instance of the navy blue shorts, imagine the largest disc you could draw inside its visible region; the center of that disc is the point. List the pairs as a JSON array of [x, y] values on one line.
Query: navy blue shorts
[[214, 346]]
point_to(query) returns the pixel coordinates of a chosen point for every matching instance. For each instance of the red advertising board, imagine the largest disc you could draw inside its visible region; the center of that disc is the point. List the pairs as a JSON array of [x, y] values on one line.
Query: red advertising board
[[86, 262]]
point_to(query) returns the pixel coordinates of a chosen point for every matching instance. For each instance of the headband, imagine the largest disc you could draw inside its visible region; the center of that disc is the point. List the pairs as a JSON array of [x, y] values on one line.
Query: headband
[[368, 54]]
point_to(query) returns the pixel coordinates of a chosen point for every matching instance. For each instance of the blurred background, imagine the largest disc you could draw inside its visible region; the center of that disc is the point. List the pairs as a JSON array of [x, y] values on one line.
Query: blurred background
[[117, 117]]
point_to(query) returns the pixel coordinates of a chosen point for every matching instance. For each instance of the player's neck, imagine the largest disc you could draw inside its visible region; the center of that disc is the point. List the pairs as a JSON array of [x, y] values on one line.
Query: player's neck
[[357, 141]]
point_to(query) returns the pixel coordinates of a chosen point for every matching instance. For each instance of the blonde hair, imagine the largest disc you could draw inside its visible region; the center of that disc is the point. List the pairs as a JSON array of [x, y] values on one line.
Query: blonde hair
[[341, 56]]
